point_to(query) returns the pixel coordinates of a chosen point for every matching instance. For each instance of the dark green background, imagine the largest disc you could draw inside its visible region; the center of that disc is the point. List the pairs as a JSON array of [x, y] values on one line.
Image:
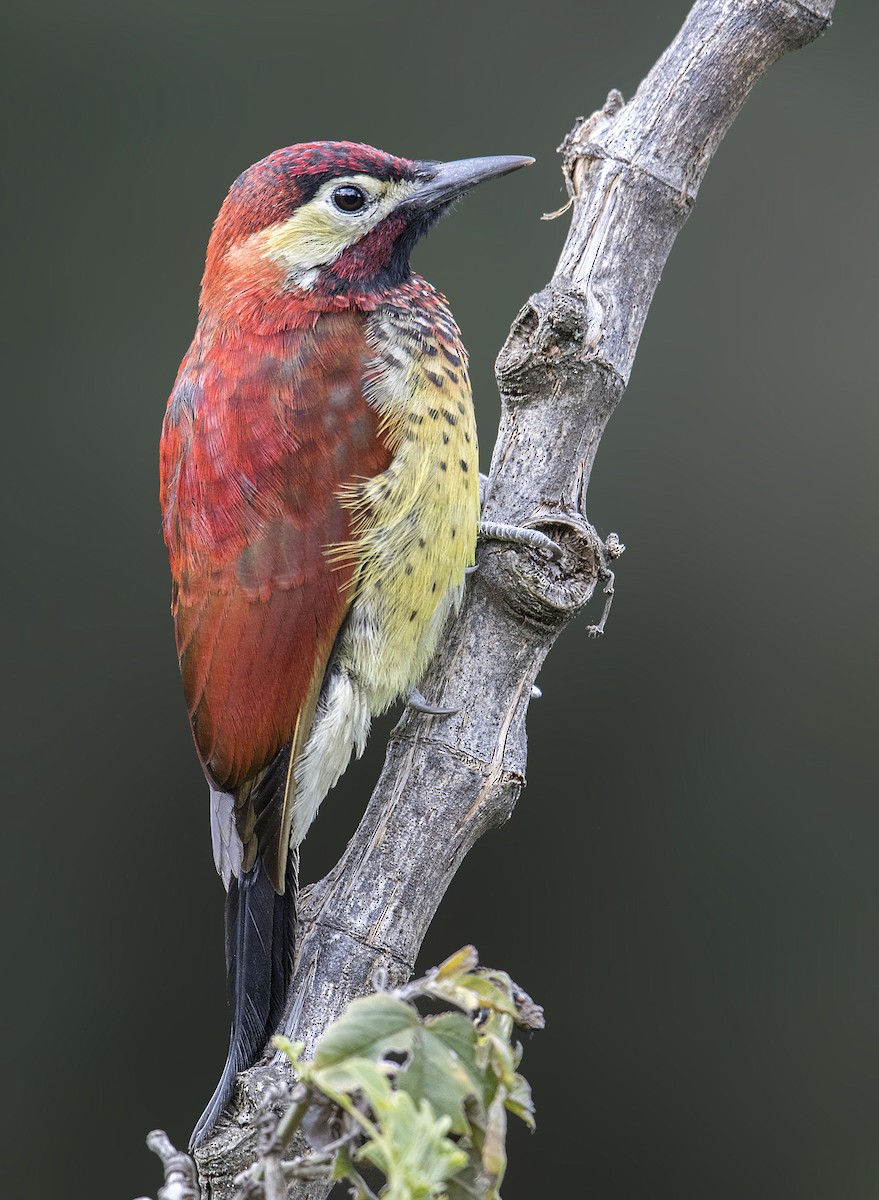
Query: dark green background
[[689, 884]]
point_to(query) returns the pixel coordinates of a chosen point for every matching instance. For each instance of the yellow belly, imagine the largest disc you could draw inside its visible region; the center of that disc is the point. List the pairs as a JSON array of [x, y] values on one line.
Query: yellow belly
[[415, 530], [418, 521]]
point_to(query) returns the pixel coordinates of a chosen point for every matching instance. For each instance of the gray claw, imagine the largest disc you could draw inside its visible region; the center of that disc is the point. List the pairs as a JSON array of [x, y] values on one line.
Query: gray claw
[[497, 531], [417, 701]]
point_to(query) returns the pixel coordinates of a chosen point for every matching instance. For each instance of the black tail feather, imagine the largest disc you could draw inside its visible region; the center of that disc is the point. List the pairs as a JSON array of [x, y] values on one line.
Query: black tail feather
[[259, 963]]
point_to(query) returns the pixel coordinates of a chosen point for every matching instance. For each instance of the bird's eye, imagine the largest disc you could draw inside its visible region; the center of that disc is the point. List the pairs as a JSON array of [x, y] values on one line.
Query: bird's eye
[[349, 199]]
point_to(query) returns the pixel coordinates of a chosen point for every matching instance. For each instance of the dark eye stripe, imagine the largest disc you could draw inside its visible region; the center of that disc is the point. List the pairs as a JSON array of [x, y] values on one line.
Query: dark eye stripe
[[349, 199]]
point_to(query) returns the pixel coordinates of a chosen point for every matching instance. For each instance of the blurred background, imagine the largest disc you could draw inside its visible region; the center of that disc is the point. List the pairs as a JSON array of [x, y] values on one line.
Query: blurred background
[[696, 849]]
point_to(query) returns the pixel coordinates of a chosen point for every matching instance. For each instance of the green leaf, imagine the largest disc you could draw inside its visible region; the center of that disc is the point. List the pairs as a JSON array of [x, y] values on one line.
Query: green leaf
[[466, 959], [412, 1149], [368, 1028], [341, 1080], [293, 1050], [494, 1151], [500, 1056], [442, 1068], [468, 1183], [519, 1102], [472, 990], [342, 1165]]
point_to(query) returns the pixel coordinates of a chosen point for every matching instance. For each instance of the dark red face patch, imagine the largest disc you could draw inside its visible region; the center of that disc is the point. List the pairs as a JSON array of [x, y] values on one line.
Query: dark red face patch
[[369, 257]]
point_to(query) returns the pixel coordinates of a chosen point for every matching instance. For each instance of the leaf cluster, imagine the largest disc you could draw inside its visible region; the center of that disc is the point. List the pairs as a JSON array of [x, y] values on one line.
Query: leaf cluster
[[420, 1098]]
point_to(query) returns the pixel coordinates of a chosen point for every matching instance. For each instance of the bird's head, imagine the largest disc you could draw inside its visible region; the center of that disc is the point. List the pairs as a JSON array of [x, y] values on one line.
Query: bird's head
[[329, 225]]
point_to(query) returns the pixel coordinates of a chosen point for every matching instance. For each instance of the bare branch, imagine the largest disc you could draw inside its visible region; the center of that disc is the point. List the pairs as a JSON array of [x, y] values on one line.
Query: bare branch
[[180, 1175], [633, 172]]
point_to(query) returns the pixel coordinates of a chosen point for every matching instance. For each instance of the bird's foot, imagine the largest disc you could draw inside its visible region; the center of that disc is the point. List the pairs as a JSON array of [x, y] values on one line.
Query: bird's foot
[[499, 531], [418, 702]]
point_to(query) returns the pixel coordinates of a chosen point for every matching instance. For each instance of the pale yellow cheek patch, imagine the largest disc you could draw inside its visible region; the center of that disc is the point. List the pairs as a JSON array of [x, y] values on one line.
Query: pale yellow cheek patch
[[318, 233], [311, 238]]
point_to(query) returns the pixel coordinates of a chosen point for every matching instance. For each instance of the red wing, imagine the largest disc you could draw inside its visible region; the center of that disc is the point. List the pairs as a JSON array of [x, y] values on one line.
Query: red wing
[[260, 436]]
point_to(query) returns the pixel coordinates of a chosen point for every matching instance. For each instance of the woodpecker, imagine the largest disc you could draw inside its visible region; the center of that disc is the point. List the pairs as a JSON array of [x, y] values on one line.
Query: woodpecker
[[320, 497]]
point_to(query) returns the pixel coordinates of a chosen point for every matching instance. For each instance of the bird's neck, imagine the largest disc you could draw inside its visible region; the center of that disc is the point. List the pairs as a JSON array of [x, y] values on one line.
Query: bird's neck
[[250, 293]]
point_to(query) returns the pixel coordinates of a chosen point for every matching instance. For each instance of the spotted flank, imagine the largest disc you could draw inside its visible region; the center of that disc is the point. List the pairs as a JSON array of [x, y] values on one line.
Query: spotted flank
[[414, 528]]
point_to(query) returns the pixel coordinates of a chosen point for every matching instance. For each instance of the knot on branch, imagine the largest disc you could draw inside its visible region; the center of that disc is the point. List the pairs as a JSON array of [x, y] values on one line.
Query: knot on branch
[[544, 590], [547, 336], [581, 143]]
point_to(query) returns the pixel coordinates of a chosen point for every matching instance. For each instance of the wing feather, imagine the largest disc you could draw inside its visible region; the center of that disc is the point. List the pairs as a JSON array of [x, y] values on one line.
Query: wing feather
[[262, 438]]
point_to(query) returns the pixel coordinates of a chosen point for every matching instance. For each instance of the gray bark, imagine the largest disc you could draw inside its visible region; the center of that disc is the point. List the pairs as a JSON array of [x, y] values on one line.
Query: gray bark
[[634, 172]]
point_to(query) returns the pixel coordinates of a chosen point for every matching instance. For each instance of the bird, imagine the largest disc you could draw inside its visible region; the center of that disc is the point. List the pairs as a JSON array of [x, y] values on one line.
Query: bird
[[320, 506]]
